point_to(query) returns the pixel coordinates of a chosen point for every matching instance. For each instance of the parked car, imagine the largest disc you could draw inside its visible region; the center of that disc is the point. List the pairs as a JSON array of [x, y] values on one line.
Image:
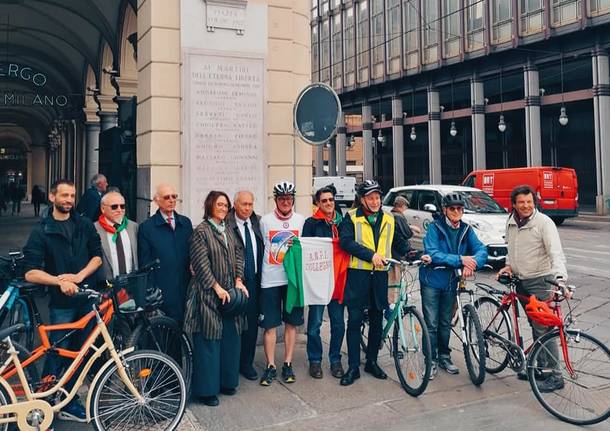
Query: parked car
[[556, 188], [484, 214]]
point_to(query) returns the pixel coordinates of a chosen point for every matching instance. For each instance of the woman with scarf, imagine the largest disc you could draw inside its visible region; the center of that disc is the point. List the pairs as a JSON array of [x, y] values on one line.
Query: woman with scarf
[[217, 261], [324, 224]]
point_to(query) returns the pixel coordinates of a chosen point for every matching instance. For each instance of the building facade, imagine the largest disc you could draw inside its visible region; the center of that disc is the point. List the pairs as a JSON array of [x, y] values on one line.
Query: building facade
[[456, 85]]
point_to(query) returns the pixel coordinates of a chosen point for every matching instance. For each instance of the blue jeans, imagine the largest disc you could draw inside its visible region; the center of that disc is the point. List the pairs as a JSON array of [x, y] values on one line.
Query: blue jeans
[[337, 331], [438, 309]]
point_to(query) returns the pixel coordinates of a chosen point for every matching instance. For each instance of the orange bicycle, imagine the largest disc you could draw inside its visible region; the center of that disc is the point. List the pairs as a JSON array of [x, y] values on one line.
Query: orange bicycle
[[142, 389]]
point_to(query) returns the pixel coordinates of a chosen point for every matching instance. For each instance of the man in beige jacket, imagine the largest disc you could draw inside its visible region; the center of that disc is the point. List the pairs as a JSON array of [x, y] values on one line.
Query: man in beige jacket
[[534, 255]]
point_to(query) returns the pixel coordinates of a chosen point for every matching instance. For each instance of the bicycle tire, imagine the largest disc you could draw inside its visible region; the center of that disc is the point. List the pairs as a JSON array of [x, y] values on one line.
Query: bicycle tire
[[417, 361], [496, 356], [162, 333], [21, 312], [474, 345], [112, 404], [594, 405]]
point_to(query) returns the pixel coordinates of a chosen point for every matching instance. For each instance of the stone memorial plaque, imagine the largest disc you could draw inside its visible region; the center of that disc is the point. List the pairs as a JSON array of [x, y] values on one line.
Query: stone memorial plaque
[[225, 14], [224, 106]]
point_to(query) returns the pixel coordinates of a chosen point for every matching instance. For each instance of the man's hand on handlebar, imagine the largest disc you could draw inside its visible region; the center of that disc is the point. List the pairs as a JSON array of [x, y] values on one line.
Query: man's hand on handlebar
[[426, 259], [566, 290], [469, 263], [67, 287], [378, 261], [505, 270]]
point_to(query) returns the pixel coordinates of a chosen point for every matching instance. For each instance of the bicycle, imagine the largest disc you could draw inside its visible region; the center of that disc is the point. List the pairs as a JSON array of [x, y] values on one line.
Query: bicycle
[[584, 362], [470, 332], [17, 301], [410, 343], [145, 389]]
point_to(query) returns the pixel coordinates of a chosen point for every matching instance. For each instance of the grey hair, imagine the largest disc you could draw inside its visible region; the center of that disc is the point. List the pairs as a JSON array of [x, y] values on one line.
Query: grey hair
[[107, 196], [239, 192], [401, 201], [97, 178]]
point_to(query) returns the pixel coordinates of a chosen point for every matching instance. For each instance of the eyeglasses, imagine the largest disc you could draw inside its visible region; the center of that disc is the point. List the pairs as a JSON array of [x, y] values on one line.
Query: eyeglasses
[[168, 197], [115, 207], [323, 201], [458, 209]]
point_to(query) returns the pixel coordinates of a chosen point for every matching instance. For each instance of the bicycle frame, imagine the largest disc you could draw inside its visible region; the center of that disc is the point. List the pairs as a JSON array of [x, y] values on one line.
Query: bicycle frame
[[17, 410]]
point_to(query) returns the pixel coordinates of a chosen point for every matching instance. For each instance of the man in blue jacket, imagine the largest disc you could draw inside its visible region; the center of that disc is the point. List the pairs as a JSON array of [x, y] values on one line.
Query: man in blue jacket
[[452, 243], [165, 236]]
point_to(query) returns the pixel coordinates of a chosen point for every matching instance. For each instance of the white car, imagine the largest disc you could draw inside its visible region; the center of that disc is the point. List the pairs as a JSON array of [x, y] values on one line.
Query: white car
[[484, 214]]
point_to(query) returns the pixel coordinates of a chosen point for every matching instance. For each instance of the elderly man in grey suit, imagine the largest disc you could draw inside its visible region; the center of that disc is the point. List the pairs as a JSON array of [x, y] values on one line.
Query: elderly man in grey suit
[[119, 237]]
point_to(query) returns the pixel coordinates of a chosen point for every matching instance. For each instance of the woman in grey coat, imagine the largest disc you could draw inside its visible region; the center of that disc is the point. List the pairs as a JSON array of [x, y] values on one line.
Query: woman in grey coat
[[217, 261]]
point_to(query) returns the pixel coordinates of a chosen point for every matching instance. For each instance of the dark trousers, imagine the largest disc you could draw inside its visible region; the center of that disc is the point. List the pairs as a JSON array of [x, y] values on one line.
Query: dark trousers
[[248, 337], [36, 208], [354, 323], [56, 365], [337, 331], [437, 305], [216, 362]]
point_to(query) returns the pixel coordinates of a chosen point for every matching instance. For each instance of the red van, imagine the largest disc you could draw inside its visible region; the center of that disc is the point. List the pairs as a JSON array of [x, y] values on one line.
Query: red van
[[556, 188]]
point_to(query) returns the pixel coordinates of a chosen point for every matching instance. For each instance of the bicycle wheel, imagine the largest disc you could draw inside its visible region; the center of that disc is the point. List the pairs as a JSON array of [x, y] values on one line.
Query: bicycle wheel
[[364, 332], [497, 321], [162, 333], [474, 345], [412, 358], [157, 378], [584, 396], [21, 313]]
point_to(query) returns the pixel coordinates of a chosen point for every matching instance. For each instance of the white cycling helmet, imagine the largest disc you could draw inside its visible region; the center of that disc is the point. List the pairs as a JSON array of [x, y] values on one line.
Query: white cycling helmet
[[284, 188]]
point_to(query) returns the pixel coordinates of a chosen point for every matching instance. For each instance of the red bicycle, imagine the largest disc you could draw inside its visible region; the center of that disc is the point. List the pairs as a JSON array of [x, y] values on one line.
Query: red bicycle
[[581, 366]]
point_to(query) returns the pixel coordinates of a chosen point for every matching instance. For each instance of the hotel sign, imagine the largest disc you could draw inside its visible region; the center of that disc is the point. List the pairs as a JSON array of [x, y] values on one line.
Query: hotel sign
[[38, 80]]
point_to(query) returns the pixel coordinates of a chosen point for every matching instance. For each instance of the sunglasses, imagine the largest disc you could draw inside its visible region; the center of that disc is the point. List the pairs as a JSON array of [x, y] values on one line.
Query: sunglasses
[[323, 201], [168, 197], [458, 209], [115, 207]]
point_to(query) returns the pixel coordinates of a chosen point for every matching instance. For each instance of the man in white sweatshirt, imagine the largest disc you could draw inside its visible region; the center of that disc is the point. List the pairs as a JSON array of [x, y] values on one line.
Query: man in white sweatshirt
[[535, 255]]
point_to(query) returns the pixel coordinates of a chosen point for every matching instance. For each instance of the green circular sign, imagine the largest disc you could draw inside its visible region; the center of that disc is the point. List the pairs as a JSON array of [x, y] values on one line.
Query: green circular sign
[[316, 112]]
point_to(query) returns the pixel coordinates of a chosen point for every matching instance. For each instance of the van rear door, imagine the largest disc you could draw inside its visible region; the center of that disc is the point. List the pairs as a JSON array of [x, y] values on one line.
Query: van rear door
[[567, 189]]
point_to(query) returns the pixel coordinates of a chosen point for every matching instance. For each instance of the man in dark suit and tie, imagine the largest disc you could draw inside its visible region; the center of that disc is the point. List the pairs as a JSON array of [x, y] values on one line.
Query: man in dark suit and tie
[[89, 203], [245, 223], [165, 236], [119, 237]]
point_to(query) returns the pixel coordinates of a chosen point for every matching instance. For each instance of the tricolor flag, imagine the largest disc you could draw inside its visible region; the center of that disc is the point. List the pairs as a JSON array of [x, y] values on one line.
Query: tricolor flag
[[316, 269]]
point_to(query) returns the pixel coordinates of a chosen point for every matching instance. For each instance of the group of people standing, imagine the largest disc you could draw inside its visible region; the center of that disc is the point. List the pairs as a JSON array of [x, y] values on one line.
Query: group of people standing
[[234, 256]]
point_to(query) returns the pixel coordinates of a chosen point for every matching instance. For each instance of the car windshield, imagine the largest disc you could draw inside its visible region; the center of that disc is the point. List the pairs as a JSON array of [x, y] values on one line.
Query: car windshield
[[480, 202]]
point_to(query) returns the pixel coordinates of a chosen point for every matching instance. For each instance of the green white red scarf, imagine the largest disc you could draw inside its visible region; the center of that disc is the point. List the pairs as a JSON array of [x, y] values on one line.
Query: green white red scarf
[[110, 228]]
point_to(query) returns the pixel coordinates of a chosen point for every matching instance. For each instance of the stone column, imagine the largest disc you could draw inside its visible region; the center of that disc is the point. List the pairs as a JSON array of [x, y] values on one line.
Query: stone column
[[434, 136], [533, 140], [341, 146], [332, 158], [108, 119], [601, 113], [92, 152], [367, 139], [478, 124], [320, 161], [398, 143]]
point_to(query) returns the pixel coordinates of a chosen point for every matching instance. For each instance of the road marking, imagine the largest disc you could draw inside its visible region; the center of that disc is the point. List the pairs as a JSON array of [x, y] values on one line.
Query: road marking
[[585, 251], [588, 270]]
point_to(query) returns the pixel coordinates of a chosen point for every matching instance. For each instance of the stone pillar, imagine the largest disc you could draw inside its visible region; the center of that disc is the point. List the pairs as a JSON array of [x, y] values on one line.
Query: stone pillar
[[478, 124], [320, 161], [601, 113], [367, 139], [108, 119], [332, 158], [434, 136], [92, 152], [533, 140], [398, 143], [341, 146]]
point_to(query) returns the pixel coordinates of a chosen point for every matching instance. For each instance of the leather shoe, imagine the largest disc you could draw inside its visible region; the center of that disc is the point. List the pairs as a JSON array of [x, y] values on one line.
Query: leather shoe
[[373, 368], [447, 365], [228, 391], [336, 369], [315, 370], [248, 372], [348, 378], [211, 401]]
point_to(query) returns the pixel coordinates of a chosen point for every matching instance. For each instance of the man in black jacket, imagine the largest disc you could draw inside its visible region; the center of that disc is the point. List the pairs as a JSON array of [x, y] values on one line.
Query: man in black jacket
[[245, 224], [89, 203], [64, 252]]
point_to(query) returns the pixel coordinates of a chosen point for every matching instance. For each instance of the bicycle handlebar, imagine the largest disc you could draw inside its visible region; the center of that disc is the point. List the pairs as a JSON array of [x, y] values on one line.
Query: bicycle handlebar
[[416, 262]]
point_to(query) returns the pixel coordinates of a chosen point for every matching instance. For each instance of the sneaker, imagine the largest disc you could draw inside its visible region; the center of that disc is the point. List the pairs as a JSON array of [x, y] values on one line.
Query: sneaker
[[73, 411], [433, 370], [268, 376], [446, 364], [551, 384], [287, 373]]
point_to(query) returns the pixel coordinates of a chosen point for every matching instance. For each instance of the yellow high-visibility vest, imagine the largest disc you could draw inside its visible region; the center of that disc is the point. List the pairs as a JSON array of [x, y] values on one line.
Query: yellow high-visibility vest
[[364, 235]]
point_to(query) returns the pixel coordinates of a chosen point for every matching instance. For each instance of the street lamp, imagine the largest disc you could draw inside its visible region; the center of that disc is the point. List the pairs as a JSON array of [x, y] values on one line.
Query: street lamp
[[453, 129], [413, 135], [563, 117], [501, 124]]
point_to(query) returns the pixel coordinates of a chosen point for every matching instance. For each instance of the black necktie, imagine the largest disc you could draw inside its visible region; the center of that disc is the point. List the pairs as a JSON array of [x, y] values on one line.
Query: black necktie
[[249, 267], [120, 252]]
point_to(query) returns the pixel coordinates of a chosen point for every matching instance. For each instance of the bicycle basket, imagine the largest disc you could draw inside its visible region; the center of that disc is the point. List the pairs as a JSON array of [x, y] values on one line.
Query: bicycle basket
[[130, 291], [541, 313]]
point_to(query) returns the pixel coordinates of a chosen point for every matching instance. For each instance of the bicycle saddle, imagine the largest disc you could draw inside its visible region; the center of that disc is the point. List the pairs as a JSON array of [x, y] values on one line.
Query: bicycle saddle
[[7, 332]]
